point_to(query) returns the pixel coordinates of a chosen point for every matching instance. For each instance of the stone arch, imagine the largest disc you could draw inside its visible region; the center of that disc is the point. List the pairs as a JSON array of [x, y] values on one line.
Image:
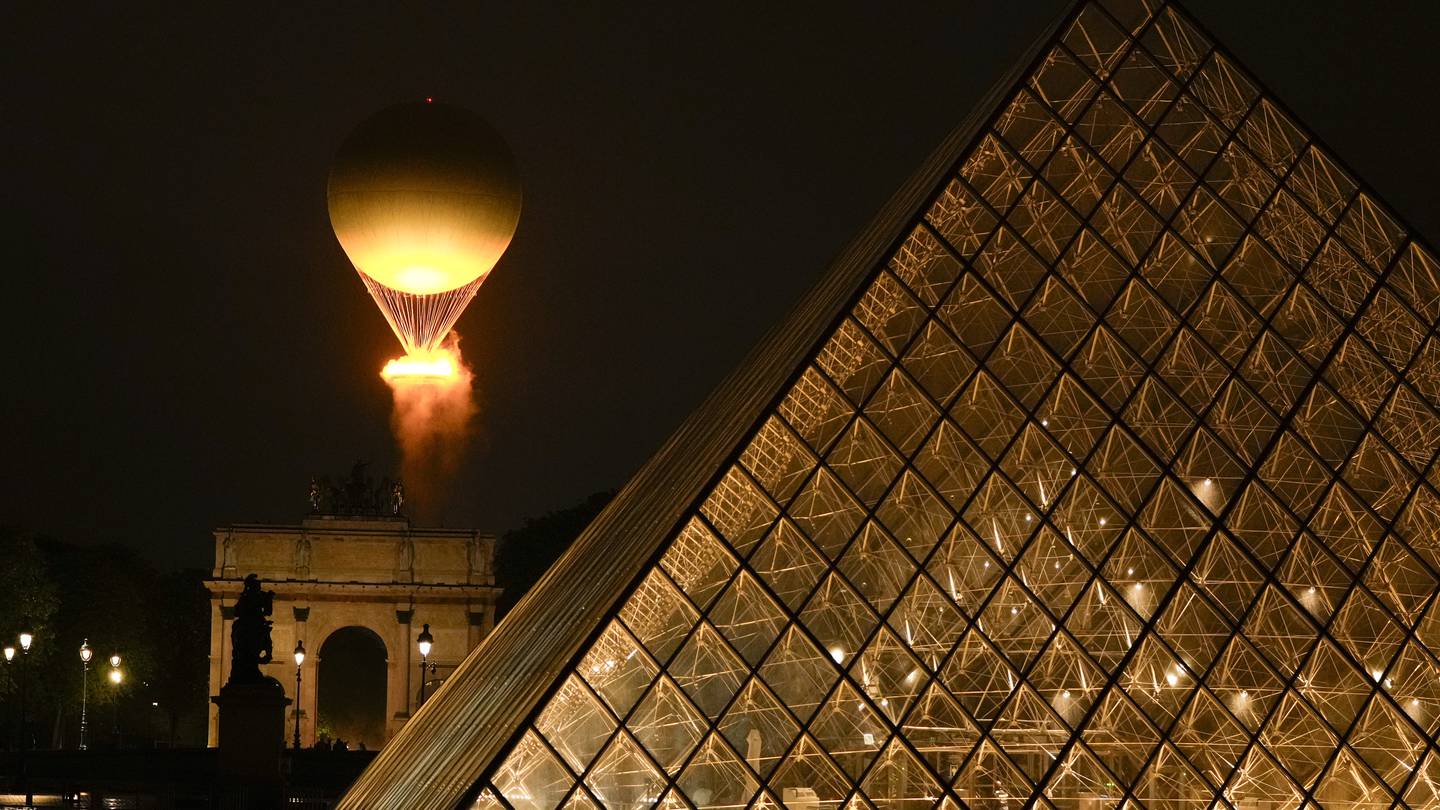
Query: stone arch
[[352, 685]]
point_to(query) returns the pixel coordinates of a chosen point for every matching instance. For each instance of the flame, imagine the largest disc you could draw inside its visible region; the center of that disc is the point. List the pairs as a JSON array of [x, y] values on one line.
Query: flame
[[437, 365], [433, 420]]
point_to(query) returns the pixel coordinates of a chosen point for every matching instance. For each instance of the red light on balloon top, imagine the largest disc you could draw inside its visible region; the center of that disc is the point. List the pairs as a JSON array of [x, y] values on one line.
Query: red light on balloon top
[[429, 100]]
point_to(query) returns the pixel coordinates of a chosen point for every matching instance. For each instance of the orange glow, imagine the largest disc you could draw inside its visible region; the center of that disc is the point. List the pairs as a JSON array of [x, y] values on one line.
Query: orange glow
[[438, 366]]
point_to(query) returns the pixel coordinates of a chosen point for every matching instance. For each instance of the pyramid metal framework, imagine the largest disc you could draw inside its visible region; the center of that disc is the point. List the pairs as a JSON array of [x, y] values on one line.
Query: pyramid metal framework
[[1099, 472]]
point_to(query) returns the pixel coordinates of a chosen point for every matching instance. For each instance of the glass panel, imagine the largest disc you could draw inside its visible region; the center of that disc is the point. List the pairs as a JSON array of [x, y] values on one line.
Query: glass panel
[[915, 515], [826, 512], [708, 670], [898, 780], [888, 674], [889, 313], [777, 460], [901, 412], [938, 363], [658, 616], [1370, 232], [715, 777], [990, 779], [759, 727], [808, 778], [962, 220], [624, 777], [1062, 84], [698, 562], [1175, 43], [618, 669], [979, 678], [839, 618], [799, 674], [788, 564], [575, 724], [531, 778], [877, 567], [667, 724], [850, 730], [927, 622], [940, 731], [738, 510], [748, 618], [815, 409], [864, 461]]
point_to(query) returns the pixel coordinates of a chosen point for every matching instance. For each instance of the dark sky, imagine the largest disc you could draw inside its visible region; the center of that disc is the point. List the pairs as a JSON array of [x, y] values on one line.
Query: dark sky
[[187, 344]]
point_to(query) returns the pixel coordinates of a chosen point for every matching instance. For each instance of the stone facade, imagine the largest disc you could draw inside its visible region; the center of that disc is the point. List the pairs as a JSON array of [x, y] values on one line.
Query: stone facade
[[379, 573]]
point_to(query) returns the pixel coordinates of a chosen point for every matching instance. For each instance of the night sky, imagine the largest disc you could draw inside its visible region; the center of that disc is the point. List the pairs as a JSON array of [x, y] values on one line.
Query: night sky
[[187, 344]]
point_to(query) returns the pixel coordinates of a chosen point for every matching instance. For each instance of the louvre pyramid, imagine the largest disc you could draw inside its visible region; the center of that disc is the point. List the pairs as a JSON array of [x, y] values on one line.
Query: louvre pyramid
[[1099, 472]]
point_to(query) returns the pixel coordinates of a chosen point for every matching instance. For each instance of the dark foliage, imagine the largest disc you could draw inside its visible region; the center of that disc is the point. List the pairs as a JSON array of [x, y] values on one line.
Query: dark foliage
[[157, 622], [527, 552]]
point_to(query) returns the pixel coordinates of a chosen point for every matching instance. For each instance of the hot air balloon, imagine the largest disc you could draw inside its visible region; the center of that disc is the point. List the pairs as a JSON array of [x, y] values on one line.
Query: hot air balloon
[[424, 198]]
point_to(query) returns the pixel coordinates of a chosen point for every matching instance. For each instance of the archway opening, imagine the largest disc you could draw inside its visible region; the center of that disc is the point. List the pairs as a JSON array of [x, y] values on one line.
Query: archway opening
[[351, 696]]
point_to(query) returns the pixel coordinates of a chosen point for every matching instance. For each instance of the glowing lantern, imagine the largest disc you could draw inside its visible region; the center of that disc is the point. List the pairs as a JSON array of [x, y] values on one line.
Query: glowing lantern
[[424, 198]]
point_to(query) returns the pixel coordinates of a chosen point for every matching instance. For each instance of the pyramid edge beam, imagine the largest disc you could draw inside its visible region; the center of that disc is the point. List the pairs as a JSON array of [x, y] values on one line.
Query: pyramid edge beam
[[474, 717]]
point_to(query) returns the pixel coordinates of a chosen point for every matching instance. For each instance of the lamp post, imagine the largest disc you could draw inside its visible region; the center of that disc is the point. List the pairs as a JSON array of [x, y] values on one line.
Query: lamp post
[[10, 659], [85, 655], [299, 659], [27, 637], [425, 642], [116, 678], [9, 654]]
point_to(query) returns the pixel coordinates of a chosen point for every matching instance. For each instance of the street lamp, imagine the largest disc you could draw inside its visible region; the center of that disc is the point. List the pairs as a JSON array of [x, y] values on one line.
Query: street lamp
[[425, 642], [85, 655], [27, 637], [299, 659], [10, 658], [116, 678]]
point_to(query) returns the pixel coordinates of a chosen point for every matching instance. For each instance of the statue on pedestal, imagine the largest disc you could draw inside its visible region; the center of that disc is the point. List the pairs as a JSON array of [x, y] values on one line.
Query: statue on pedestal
[[250, 633], [251, 705]]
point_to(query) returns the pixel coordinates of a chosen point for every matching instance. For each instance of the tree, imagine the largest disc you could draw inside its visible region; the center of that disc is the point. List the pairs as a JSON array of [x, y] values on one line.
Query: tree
[[29, 602], [179, 615], [111, 597], [526, 553], [104, 597]]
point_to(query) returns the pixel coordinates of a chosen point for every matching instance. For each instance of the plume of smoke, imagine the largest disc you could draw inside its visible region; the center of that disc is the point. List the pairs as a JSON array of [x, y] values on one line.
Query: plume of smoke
[[433, 420]]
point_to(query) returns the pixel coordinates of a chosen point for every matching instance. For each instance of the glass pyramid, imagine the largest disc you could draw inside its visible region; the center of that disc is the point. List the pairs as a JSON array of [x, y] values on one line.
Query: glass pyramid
[[1113, 485]]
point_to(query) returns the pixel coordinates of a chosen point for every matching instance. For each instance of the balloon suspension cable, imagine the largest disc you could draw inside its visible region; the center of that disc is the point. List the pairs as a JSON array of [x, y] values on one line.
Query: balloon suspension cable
[[421, 321]]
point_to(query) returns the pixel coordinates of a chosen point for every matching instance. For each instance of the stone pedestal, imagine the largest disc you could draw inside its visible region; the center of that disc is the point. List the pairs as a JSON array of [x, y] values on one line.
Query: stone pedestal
[[252, 737]]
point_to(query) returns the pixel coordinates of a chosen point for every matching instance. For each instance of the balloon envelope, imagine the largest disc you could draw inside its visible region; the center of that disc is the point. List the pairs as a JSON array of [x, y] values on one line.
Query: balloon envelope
[[424, 197]]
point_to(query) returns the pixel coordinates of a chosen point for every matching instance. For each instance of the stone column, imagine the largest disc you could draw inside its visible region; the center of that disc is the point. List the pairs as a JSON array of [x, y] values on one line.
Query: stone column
[[478, 626], [402, 631], [220, 616]]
